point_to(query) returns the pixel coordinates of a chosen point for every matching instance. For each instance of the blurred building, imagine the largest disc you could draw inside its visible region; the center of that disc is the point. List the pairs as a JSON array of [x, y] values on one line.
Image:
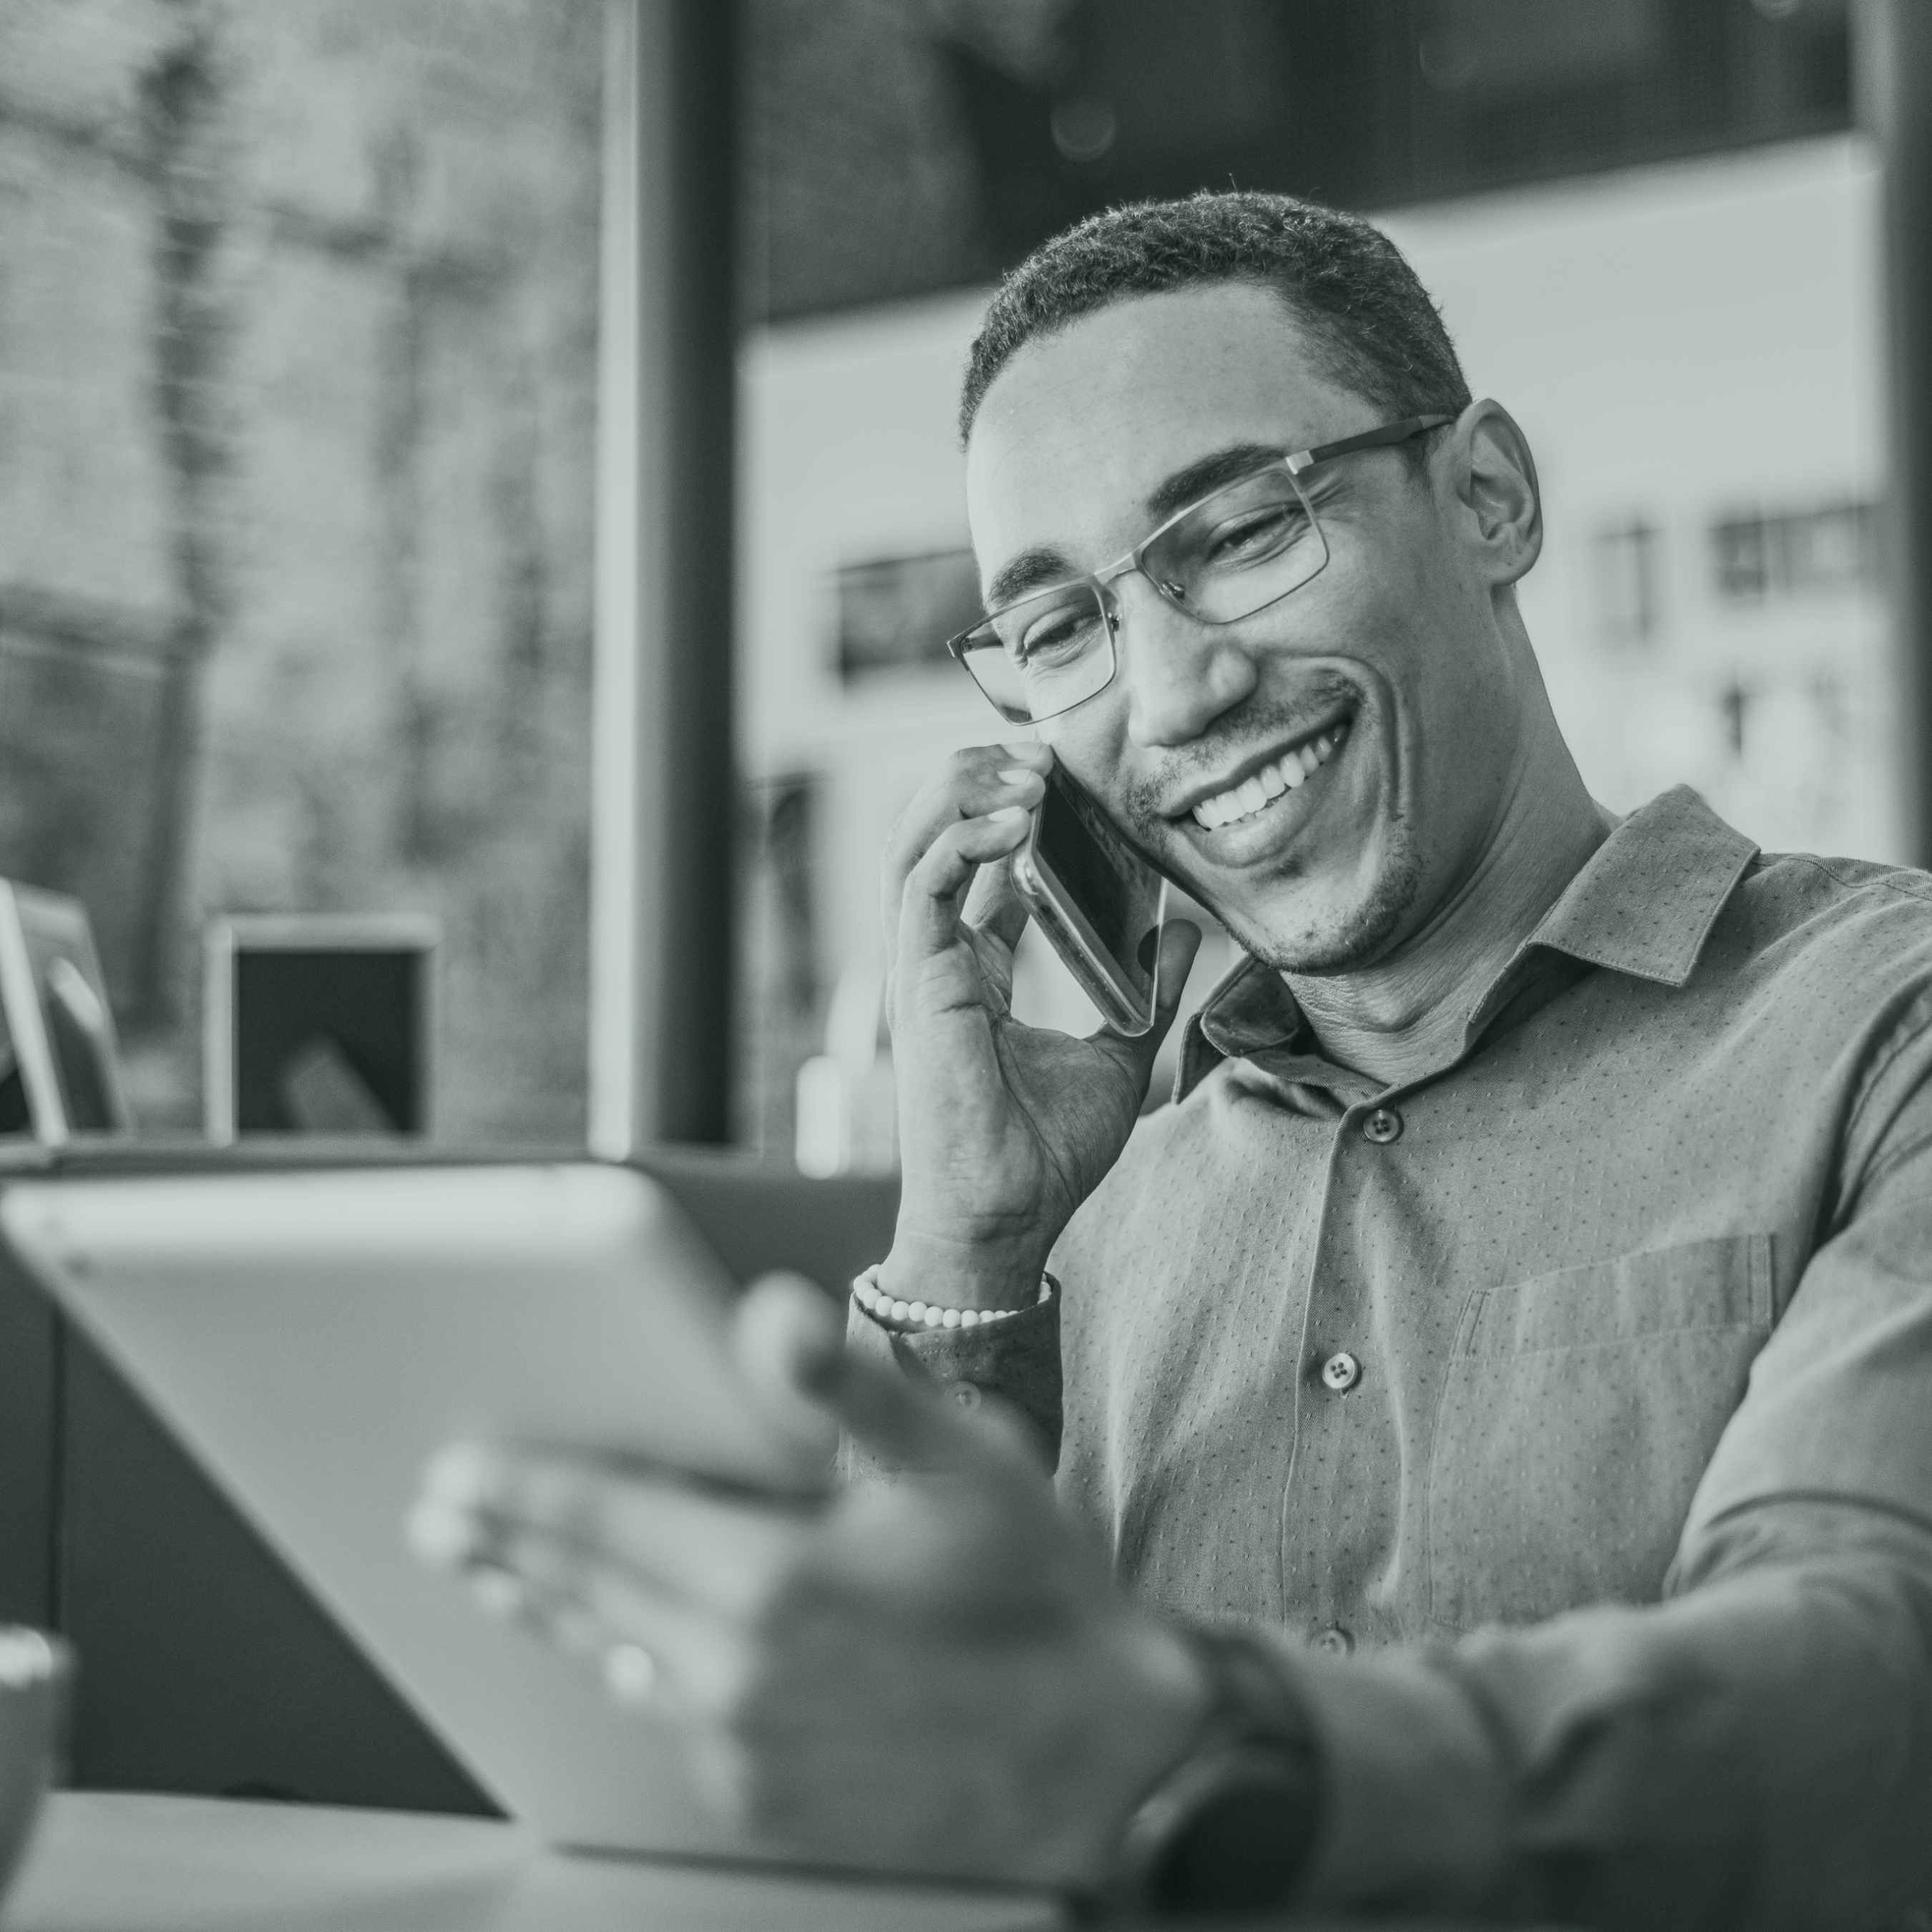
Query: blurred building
[[1655, 240], [299, 316]]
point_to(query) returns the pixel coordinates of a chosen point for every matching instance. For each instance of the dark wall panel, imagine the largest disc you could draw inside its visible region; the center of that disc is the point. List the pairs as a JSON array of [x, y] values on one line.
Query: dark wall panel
[[29, 1346], [204, 1666]]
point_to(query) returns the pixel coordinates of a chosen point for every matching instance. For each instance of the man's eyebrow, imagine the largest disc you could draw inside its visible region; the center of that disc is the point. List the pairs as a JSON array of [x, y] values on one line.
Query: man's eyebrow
[[1208, 473], [1034, 569], [1029, 571]]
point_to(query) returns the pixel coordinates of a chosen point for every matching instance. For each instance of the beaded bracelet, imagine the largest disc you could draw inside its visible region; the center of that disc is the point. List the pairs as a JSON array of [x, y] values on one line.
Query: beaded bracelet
[[867, 1293]]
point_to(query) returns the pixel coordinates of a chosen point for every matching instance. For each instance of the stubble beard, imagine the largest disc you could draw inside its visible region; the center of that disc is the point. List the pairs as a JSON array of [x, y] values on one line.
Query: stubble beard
[[1366, 930]]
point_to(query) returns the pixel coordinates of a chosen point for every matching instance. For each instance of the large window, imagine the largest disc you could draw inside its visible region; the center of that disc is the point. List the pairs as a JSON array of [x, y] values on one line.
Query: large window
[[297, 318]]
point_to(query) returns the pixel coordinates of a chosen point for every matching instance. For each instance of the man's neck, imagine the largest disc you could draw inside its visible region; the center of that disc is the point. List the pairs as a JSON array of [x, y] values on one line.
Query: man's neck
[[1404, 1017]]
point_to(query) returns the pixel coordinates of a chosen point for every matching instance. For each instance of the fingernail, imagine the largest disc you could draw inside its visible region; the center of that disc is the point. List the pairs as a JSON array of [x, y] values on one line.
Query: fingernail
[[462, 1474], [439, 1534], [1035, 755], [498, 1592], [1018, 775], [630, 1673], [1010, 815]]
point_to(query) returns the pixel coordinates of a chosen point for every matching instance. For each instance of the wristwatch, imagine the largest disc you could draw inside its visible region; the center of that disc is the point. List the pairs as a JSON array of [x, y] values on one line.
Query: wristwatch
[[1228, 1828]]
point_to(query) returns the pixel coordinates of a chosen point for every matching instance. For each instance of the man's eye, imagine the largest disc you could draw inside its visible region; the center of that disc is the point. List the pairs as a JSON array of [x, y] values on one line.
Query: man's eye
[[1255, 534], [1053, 638]]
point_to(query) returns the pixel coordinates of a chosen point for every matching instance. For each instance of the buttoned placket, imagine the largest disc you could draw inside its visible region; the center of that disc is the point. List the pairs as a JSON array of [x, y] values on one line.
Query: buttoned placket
[[1332, 1363]]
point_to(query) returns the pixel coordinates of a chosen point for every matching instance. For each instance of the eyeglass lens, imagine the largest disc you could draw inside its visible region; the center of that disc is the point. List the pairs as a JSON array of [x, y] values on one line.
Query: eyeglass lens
[[1230, 555]]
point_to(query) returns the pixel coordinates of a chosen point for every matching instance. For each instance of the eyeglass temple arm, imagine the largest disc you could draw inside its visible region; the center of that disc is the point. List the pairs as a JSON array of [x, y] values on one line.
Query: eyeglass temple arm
[[1369, 438]]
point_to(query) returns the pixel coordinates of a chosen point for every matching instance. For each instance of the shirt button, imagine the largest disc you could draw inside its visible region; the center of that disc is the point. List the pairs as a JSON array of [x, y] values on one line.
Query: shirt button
[[1341, 1372], [1333, 1642], [1383, 1125], [966, 1394]]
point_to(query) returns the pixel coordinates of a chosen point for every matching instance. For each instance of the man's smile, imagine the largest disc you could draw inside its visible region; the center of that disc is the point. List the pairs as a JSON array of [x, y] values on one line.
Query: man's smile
[[1270, 795]]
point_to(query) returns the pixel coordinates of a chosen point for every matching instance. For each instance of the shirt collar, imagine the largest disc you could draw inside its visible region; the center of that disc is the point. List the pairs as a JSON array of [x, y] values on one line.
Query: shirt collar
[[1644, 904]]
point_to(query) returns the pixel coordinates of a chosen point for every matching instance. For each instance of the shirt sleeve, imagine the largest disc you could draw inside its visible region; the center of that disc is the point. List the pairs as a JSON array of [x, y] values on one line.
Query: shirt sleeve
[[1016, 1361], [1754, 1750]]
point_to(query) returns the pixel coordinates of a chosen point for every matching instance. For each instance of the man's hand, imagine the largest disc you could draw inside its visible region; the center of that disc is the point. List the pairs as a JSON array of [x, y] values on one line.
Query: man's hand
[[938, 1676], [1004, 1129]]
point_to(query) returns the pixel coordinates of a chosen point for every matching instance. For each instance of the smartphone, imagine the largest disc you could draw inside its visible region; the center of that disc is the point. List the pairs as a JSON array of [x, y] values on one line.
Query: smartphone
[[1101, 905]]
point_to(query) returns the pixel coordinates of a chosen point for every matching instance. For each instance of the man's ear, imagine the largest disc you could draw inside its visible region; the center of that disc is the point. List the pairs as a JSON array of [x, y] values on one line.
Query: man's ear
[[1495, 476]]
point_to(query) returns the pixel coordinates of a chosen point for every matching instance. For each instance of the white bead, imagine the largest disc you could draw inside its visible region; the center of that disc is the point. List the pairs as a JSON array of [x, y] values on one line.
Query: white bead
[[934, 1317], [865, 1295], [952, 1319], [969, 1318], [901, 1310], [915, 1311]]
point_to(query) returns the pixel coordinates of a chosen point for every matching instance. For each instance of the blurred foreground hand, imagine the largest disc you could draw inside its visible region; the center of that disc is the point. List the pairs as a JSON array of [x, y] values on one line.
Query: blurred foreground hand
[[937, 1673]]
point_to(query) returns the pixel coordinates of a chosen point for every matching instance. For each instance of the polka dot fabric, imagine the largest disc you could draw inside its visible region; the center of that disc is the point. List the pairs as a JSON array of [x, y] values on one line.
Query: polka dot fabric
[[1624, 1290]]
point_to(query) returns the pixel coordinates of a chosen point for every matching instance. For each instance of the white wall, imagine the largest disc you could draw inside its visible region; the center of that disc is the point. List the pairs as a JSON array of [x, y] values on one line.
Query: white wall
[[1682, 344]]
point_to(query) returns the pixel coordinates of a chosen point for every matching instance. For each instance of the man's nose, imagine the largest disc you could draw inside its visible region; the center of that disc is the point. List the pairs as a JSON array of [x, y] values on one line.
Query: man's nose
[[1179, 674]]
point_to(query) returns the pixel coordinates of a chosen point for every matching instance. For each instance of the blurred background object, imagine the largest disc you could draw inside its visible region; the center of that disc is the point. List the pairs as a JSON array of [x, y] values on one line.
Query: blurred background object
[[320, 1024], [1654, 231], [326, 585], [34, 1672], [297, 385], [60, 1062]]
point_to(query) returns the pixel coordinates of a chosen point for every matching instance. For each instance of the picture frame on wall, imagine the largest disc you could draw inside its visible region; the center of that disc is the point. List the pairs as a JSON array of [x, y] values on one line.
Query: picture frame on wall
[[320, 1023]]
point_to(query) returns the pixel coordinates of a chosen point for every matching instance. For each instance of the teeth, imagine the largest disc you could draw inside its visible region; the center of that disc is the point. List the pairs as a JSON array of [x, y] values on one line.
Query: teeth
[[1292, 769]]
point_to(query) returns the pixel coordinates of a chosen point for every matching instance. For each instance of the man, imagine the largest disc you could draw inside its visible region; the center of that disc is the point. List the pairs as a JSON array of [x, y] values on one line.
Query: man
[[1529, 1292]]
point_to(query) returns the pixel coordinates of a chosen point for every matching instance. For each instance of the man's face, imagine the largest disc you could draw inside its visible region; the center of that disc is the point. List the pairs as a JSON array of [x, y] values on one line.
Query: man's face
[[1392, 654]]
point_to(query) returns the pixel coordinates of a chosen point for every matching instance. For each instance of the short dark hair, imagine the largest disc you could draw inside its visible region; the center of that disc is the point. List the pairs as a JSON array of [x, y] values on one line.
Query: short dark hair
[[1372, 321]]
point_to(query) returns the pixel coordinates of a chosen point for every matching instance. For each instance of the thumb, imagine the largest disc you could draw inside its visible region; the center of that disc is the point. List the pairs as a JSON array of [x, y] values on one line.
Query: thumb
[[903, 1419], [782, 1327]]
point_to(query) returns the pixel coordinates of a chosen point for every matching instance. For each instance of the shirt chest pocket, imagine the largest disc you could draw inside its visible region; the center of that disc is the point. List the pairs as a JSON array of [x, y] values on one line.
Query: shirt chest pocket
[[1580, 1410]]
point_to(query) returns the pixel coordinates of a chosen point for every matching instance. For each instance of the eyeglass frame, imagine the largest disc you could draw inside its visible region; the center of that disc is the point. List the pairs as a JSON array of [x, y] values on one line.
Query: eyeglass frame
[[1296, 462]]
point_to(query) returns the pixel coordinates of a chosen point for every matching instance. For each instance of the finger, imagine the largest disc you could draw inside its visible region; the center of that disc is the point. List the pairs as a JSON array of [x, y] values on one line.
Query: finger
[[929, 915], [995, 906], [650, 1650], [971, 784], [909, 1425], [546, 1515]]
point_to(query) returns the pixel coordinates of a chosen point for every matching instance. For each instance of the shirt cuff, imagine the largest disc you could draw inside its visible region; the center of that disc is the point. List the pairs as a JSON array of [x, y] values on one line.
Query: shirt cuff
[[1016, 1360]]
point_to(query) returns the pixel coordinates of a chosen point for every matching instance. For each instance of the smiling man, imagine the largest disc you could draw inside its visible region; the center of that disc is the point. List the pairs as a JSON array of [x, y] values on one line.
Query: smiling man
[[1492, 1407]]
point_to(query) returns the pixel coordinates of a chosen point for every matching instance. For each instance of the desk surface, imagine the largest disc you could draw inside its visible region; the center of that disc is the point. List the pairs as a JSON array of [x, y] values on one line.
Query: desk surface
[[103, 1862]]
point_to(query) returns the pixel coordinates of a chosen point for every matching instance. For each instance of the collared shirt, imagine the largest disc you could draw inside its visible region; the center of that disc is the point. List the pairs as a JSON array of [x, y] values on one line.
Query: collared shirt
[[1568, 1412]]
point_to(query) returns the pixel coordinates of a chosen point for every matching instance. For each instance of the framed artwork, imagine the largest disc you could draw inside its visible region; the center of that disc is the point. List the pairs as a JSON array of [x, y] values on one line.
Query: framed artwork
[[318, 1023], [60, 1061]]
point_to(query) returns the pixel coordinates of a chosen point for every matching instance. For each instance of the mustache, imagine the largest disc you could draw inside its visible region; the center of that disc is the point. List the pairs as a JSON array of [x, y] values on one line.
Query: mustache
[[1238, 732]]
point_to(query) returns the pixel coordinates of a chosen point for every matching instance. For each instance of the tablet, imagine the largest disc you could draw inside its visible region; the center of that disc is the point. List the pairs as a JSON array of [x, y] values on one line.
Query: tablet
[[312, 1338]]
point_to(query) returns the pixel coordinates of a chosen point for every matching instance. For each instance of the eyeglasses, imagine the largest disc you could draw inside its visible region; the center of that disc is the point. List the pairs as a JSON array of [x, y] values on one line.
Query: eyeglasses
[[1230, 553]]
